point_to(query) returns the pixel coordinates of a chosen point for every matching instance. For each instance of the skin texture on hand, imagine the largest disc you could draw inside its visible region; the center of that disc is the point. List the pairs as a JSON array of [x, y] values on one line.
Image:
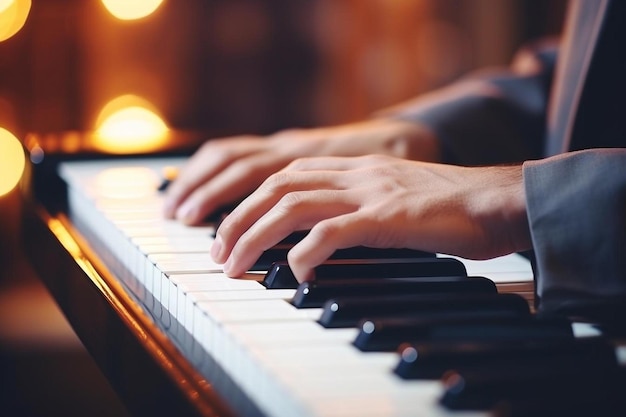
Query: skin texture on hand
[[224, 171], [377, 201]]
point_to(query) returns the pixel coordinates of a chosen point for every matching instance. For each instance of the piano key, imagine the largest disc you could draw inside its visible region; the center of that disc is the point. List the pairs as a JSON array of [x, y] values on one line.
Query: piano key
[[178, 243], [269, 381], [511, 268], [187, 267], [279, 254], [169, 174], [388, 334], [589, 381], [258, 310], [431, 360], [258, 294], [348, 311], [316, 293], [165, 228], [281, 276], [611, 405]]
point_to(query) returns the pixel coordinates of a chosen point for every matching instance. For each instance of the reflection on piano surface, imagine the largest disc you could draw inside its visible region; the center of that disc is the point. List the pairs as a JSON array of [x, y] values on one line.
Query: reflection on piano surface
[[365, 339]]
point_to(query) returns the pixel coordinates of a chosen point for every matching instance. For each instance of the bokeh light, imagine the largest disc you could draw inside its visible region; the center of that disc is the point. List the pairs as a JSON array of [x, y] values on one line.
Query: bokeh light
[[12, 161], [131, 9], [13, 14], [129, 124]]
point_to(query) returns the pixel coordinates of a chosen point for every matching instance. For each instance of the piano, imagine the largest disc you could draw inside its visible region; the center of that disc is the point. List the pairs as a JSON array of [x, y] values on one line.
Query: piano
[[175, 336]]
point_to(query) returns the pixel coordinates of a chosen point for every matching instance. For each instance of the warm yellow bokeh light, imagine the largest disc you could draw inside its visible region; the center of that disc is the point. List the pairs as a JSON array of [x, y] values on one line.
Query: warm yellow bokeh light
[[131, 9], [129, 124], [13, 14], [12, 161]]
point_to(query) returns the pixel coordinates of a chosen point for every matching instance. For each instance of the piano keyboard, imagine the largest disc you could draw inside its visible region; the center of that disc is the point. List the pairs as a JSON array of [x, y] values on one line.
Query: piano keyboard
[[280, 359]]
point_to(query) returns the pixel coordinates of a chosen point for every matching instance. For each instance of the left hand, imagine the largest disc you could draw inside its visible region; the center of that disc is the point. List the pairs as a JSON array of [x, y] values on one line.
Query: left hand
[[376, 201]]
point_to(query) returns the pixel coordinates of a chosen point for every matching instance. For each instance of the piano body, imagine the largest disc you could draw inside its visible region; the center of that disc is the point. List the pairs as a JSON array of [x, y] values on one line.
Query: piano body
[[176, 337]]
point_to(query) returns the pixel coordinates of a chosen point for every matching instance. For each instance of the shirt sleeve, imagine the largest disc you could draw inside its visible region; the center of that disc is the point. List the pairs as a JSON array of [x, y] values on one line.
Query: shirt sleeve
[[577, 215], [491, 116]]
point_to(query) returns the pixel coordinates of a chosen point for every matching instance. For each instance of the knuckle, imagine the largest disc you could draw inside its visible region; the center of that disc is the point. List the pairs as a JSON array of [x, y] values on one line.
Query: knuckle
[[298, 163], [292, 201], [325, 230], [376, 159], [278, 182], [222, 148]]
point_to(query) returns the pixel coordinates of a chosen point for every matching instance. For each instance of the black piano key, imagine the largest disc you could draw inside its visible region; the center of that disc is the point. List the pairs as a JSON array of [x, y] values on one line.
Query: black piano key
[[169, 175], [316, 293], [280, 275], [279, 252], [350, 311], [471, 326], [432, 360], [293, 238], [164, 184], [586, 383], [605, 401], [219, 214]]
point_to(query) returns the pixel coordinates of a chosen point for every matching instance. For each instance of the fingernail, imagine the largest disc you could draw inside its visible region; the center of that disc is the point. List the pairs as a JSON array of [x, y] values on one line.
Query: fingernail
[[216, 248], [186, 213]]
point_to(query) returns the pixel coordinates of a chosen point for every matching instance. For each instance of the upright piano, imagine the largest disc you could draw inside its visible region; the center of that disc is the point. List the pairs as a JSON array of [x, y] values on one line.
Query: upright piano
[[369, 337]]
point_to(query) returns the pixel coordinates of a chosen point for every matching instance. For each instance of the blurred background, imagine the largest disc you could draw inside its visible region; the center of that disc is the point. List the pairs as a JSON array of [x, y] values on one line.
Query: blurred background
[[69, 68]]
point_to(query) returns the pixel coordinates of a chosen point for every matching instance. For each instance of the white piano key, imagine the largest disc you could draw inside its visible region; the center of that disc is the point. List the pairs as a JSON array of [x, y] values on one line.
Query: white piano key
[[285, 332], [184, 243], [508, 268], [249, 295], [186, 286], [157, 258], [165, 228], [199, 266], [256, 310]]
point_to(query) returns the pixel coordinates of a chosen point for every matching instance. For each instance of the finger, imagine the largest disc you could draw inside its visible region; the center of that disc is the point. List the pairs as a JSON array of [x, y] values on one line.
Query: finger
[[208, 161], [335, 163], [232, 184], [339, 232], [265, 199], [296, 211]]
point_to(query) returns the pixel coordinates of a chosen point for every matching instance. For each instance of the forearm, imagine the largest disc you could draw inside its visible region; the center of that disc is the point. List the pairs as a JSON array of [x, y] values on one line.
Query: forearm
[[489, 117]]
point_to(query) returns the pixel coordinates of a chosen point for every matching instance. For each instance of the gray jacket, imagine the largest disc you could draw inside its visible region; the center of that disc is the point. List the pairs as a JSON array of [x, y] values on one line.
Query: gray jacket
[[565, 119]]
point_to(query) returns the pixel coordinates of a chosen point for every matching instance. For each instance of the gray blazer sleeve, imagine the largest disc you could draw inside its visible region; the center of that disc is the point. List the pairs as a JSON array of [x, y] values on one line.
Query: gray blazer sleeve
[[492, 116], [578, 230]]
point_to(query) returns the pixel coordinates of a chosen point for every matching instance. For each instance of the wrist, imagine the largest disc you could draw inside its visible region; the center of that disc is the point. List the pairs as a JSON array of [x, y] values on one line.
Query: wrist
[[513, 207]]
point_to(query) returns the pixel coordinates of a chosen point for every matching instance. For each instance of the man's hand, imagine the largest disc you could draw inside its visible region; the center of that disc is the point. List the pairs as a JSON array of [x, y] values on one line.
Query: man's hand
[[226, 170], [377, 201]]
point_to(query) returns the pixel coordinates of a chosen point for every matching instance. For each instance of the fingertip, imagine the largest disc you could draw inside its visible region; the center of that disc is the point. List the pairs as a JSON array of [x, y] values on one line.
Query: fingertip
[[187, 213], [216, 249], [303, 275], [227, 267], [301, 271], [169, 209], [232, 268]]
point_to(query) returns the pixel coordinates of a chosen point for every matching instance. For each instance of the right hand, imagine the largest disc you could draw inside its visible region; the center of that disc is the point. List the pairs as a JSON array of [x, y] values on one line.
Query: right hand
[[226, 170]]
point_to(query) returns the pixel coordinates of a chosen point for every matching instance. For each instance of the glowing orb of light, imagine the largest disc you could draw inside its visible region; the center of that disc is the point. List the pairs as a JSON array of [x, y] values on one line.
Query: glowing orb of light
[[131, 9], [12, 161], [13, 14], [129, 124]]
